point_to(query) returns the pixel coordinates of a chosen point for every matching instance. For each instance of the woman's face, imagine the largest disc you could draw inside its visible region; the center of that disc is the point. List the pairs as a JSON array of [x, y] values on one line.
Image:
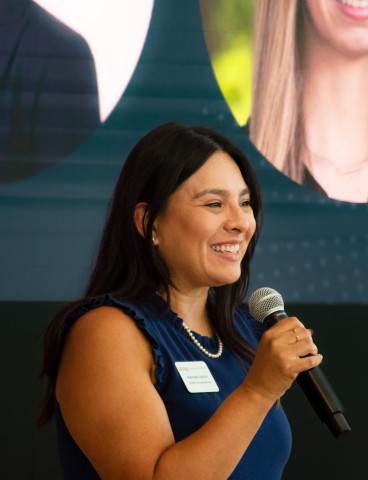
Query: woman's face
[[205, 230], [340, 24]]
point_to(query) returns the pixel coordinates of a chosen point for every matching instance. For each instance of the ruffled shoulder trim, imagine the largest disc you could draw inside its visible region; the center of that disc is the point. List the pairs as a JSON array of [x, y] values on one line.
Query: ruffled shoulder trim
[[135, 312]]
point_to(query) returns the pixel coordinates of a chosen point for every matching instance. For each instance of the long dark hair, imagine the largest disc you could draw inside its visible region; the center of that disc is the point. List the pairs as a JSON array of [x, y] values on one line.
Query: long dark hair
[[128, 265]]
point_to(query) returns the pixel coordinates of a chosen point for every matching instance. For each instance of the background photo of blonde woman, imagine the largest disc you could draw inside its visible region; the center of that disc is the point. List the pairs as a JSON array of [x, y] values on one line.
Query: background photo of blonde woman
[[308, 116]]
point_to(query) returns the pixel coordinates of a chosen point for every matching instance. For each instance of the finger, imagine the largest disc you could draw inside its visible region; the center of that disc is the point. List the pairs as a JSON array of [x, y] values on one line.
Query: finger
[[311, 361], [297, 334], [305, 347], [286, 324]]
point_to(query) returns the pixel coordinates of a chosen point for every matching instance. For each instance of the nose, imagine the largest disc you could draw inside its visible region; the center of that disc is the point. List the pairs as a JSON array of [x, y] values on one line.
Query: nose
[[238, 220]]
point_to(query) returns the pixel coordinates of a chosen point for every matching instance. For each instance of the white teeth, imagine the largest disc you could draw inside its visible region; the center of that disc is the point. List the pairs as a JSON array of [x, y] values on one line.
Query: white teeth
[[226, 248], [355, 3]]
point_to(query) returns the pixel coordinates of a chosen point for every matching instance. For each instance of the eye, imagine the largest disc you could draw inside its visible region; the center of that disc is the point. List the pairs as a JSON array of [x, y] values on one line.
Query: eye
[[214, 204], [245, 203]]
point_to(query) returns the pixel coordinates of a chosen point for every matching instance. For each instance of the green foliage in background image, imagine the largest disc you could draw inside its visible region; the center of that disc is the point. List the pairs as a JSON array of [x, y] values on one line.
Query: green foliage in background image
[[228, 30], [233, 69]]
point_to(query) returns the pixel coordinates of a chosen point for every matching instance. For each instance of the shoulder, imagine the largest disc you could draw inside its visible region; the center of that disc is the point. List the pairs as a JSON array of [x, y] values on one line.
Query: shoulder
[[53, 35], [100, 342], [101, 312], [103, 316], [103, 320], [242, 312], [246, 323], [105, 329], [107, 314], [107, 336], [105, 326]]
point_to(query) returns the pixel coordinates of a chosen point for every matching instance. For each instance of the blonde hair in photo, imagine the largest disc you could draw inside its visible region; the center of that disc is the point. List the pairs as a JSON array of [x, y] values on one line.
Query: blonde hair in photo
[[276, 119]]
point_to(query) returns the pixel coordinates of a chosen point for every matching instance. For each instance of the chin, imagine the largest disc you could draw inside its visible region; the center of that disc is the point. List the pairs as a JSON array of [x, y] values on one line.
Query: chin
[[228, 280]]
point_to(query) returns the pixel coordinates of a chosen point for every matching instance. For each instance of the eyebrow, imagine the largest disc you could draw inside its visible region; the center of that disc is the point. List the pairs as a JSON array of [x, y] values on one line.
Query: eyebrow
[[218, 191]]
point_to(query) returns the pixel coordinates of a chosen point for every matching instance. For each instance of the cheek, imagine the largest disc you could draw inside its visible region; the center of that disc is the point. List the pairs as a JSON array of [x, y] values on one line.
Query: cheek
[[183, 235], [252, 227], [318, 17], [199, 228], [317, 10]]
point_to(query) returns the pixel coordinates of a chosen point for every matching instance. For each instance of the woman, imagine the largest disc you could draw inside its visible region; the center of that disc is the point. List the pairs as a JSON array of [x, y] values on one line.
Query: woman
[[309, 115], [148, 373]]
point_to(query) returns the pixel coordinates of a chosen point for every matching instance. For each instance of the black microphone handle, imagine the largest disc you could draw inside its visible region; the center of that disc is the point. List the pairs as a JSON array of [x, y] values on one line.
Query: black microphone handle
[[318, 390]]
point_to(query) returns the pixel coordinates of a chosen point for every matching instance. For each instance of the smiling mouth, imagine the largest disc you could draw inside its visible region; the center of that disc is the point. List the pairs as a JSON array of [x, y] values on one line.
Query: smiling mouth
[[226, 248], [354, 3]]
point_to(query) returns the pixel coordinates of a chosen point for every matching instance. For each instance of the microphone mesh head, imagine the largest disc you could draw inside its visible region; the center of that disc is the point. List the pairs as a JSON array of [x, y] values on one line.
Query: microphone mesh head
[[265, 301]]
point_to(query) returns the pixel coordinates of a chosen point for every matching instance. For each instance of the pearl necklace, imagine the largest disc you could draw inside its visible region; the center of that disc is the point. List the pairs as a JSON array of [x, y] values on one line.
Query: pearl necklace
[[202, 349], [195, 341]]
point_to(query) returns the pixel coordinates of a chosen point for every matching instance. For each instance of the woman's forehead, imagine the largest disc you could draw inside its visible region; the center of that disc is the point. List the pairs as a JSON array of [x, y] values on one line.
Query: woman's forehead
[[219, 172]]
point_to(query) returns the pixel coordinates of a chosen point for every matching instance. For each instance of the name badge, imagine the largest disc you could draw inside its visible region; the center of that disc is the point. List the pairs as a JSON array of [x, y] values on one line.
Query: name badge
[[196, 377]]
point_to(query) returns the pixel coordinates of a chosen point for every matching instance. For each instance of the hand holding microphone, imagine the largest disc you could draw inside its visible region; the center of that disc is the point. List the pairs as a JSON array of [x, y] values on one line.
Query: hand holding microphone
[[285, 350], [296, 354]]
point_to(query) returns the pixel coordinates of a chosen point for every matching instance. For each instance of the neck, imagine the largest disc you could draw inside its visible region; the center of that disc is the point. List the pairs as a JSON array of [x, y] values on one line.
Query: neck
[[346, 184], [335, 109], [191, 307]]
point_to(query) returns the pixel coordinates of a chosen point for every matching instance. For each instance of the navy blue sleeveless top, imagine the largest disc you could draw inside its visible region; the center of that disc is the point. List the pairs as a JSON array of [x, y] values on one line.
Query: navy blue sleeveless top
[[269, 450]]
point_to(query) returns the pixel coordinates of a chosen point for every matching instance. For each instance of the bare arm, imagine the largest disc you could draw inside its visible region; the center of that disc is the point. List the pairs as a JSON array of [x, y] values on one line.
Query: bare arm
[[105, 388]]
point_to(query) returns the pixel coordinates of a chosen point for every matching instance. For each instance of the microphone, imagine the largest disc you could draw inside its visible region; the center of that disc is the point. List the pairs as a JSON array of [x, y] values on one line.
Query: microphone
[[267, 306]]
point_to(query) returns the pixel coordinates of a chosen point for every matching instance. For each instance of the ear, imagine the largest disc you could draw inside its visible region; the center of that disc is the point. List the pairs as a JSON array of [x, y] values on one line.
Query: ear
[[154, 235], [139, 220]]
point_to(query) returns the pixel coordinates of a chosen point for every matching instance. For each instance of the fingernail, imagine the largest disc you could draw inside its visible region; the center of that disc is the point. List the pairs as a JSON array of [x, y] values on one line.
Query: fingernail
[[321, 356], [311, 331]]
